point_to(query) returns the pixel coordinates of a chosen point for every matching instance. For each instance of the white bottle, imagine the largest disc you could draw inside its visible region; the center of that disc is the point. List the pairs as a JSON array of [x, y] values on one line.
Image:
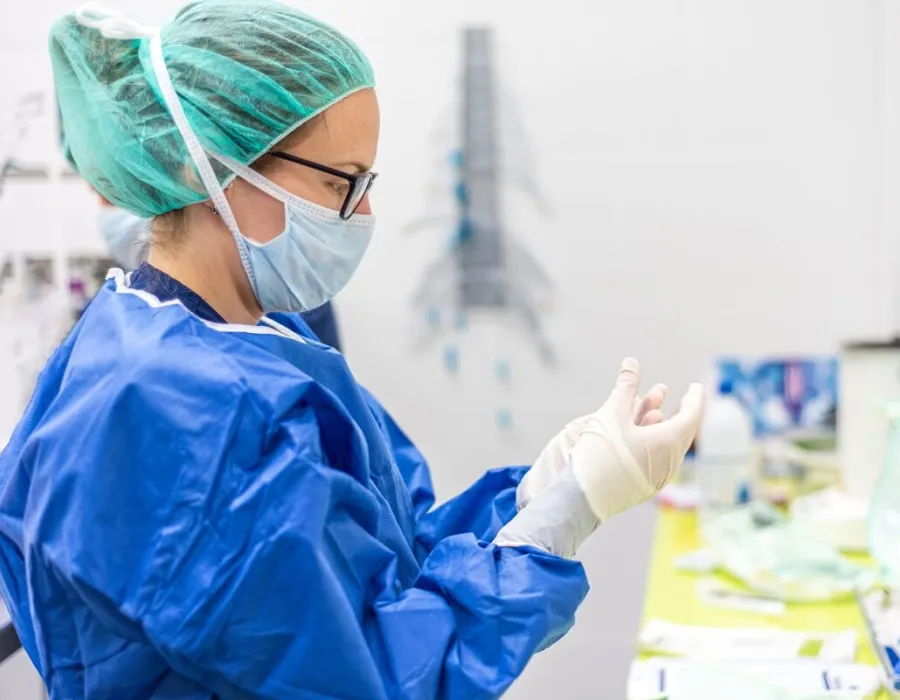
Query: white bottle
[[724, 461]]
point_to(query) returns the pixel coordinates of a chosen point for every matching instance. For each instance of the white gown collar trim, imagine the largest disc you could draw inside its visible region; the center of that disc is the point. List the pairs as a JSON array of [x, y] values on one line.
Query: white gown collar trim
[[267, 325]]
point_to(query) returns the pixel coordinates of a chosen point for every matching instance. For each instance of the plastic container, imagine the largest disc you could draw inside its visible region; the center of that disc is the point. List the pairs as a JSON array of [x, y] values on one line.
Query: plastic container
[[884, 508], [725, 455]]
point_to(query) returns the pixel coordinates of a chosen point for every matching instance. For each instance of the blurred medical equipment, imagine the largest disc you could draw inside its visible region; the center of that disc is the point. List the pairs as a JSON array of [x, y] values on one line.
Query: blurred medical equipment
[[690, 679], [33, 320], [504, 419], [714, 594], [12, 133], [35, 306], [791, 404], [42, 291], [881, 613], [777, 556], [746, 643], [784, 395], [869, 379], [724, 464], [484, 269], [30, 329], [884, 509], [835, 517]]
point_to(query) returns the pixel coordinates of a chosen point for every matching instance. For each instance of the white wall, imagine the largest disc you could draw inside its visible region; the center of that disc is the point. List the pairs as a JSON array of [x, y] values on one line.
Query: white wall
[[714, 170]]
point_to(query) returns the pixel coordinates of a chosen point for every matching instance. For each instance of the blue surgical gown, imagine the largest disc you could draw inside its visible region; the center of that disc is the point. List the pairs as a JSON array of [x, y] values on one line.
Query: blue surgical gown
[[323, 322], [191, 509]]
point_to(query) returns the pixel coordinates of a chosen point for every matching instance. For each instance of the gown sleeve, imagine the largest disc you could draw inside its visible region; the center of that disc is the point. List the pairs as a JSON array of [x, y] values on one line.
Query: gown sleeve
[[251, 562], [410, 461], [481, 510]]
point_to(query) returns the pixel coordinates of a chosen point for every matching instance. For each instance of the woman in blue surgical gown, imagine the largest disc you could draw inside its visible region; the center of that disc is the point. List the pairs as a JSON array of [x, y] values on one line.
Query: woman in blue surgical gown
[[200, 501]]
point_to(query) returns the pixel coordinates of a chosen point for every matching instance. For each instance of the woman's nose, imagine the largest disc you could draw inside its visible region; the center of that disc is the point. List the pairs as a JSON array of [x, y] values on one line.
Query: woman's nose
[[365, 206]]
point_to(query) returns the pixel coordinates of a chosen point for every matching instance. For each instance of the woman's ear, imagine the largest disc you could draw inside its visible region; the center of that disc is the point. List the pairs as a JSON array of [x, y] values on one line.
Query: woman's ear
[[212, 207]]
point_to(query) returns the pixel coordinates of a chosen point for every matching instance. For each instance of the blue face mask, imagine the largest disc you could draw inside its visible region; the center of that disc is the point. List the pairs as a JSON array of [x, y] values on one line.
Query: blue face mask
[[126, 236], [311, 260]]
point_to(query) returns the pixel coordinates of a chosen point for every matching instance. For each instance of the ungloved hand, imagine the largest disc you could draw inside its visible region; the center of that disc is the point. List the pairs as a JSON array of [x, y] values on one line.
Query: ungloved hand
[[617, 461], [552, 461]]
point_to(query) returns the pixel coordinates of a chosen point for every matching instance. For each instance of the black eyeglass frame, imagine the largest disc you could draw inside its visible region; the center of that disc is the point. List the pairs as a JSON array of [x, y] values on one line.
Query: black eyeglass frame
[[357, 181]]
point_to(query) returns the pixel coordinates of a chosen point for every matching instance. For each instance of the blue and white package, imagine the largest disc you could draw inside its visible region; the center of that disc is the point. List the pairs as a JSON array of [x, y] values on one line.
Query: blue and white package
[[784, 395], [881, 615]]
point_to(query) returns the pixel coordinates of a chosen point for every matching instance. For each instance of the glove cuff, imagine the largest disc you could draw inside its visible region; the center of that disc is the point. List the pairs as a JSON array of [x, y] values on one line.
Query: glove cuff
[[557, 521]]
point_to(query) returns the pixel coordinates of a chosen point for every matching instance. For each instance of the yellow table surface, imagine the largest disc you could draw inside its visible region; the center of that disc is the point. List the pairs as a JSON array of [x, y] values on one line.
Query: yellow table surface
[[672, 595]]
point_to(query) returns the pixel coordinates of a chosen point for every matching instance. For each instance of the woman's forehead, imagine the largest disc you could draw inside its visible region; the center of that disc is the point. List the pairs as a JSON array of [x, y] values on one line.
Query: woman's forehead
[[347, 132]]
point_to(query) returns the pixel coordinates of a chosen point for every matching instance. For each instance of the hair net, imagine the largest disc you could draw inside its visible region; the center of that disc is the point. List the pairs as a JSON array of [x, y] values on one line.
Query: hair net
[[248, 73]]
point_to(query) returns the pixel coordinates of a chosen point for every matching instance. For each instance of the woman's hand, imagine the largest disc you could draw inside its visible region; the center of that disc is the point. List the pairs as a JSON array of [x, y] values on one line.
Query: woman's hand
[[603, 464], [620, 461], [553, 459]]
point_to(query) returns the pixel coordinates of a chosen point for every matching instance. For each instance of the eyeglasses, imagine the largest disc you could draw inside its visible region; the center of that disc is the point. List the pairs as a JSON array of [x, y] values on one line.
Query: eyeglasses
[[360, 183]]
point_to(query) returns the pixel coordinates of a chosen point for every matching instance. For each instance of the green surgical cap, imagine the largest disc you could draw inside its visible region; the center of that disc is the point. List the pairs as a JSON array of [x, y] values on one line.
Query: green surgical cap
[[248, 73]]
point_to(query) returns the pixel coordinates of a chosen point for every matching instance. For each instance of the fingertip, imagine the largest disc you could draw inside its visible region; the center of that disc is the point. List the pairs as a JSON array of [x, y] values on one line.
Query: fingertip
[[626, 388], [653, 417], [630, 370], [657, 395], [694, 392], [693, 401]]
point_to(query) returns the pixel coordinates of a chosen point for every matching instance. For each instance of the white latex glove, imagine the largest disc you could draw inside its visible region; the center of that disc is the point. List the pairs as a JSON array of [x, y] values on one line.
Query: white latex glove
[[617, 457], [620, 463], [553, 460]]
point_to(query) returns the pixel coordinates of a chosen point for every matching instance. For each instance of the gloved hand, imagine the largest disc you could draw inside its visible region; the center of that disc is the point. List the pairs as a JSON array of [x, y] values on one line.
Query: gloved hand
[[619, 458], [552, 461], [619, 463]]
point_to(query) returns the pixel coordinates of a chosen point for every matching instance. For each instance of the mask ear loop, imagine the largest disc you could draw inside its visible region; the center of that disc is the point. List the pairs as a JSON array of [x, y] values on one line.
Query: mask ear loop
[[197, 153], [114, 25]]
